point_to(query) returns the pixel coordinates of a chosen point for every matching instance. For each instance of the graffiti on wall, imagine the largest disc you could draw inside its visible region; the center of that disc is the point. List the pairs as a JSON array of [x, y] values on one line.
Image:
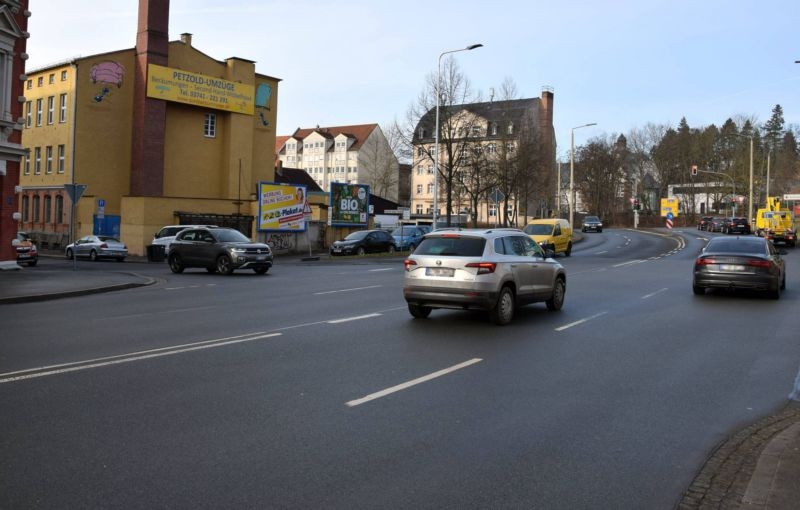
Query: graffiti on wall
[[106, 74], [282, 241]]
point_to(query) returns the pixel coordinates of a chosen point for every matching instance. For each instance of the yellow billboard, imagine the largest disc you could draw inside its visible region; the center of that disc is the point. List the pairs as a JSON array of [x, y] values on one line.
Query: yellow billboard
[[281, 207], [669, 205], [199, 89]]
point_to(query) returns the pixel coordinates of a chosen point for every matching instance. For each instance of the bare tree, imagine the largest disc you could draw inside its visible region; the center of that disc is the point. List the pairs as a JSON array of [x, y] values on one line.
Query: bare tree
[[380, 164]]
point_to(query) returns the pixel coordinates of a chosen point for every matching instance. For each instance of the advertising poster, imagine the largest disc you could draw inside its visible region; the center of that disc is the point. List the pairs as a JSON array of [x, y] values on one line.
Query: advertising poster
[[280, 207], [349, 204]]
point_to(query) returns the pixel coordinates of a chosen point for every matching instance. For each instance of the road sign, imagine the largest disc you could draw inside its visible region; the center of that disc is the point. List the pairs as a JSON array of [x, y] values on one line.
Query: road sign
[[101, 208], [74, 191], [670, 218], [791, 196], [497, 196]]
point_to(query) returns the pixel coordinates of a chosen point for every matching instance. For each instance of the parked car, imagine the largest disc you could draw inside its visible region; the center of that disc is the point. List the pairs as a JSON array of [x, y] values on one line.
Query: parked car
[[364, 241], [494, 270], [551, 234], [27, 253], [407, 237], [97, 247], [167, 234], [218, 250], [737, 226], [703, 223], [746, 262], [714, 224], [592, 223]]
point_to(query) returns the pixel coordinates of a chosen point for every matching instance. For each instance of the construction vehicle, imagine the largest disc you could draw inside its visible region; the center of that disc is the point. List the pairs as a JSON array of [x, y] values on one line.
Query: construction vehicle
[[775, 223]]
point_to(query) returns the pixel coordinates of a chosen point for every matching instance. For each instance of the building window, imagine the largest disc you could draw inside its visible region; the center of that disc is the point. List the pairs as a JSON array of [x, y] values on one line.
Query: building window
[[51, 108], [48, 205], [59, 210], [40, 81], [28, 107], [49, 159], [510, 147], [419, 208], [491, 148], [62, 108], [510, 128], [210, 126], [419, 189], [420, 151], [494, 129], [419, 170], [492, 210], [30, 84], [430, 169], [39, 112], [25, 208], [61, 158], [430, 188], [37, 162], [421, 133], [27, 165], [36, 211], [476, 130], [63, 76], [52, 78]]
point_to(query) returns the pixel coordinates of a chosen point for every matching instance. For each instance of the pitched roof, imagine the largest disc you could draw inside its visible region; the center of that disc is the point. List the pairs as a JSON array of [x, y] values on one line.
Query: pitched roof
[[279, 141], [285, 175], [359, 131], [501, 112]]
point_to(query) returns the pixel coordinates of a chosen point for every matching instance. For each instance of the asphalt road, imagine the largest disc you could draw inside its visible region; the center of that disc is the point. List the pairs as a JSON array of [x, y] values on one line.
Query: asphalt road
[[312, 387]]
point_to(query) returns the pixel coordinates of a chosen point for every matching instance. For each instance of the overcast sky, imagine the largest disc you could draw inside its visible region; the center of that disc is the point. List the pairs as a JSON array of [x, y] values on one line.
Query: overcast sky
[[620, 63]]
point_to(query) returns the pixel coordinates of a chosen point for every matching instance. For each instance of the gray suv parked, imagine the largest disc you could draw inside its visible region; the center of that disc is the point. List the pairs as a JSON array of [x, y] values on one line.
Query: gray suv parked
[[494, 270], [218, 250]]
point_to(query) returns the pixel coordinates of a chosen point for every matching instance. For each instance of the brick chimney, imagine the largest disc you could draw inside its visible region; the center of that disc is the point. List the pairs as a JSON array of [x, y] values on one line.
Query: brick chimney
[[149, 115]]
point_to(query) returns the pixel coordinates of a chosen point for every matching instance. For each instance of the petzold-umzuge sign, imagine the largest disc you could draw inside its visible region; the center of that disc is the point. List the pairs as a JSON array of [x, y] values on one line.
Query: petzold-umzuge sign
[[198, 89]]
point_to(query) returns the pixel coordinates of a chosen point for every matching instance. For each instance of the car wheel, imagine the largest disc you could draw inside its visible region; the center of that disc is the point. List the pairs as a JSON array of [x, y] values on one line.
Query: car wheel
[[93, 256], [557, 300], [569, 250], [783, 281], [698, 291], [176, 263], [599, 230], [31, 264], [260, 270], [419, 311], [224, 265], [503, 310], [775, 293], [392, 249], [69, 253], [360, 251]]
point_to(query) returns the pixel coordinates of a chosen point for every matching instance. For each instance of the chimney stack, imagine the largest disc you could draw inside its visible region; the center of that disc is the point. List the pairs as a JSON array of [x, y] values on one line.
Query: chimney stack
[[186, 38]]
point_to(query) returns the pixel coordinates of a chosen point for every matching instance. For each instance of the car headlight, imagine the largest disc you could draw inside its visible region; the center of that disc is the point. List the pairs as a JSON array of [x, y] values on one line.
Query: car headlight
[[238, 250]]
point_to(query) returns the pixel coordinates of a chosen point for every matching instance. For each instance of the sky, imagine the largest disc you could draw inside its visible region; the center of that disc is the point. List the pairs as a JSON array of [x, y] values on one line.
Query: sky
[[619, 63]]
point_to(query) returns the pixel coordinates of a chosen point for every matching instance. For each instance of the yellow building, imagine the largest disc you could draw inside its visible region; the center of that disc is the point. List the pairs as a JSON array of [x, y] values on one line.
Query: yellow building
[[159, 134]]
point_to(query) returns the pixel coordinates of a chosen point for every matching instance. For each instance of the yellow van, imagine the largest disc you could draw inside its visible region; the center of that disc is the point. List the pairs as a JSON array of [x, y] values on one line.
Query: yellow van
[[551, 234]]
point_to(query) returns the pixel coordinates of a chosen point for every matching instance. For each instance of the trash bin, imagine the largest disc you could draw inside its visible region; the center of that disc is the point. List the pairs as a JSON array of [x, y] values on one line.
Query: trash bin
[[155, 253]]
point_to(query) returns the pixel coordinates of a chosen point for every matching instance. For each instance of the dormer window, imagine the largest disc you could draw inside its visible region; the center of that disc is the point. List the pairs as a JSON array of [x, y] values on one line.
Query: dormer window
[[421, 133], [493, 128], [476, 130], [510, 128]]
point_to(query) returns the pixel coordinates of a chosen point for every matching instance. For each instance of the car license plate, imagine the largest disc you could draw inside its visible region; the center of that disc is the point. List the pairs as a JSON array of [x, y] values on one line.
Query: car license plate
[[439, 271], [337, 250], [731, 267], [261, 257]]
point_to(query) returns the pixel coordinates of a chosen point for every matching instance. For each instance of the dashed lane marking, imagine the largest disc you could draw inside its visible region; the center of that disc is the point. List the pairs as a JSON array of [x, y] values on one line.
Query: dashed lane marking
[[647, 296], [357, 318], [571, 324], [346, 290]]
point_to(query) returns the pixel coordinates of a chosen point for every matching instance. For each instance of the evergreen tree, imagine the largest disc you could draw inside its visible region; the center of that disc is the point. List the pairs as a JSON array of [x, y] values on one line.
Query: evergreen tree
[[774, 128]]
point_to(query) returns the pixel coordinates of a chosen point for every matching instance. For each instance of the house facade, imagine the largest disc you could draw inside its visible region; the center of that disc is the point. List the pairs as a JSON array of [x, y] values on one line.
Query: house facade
[[353, 154], [159, 134], [482, 142]]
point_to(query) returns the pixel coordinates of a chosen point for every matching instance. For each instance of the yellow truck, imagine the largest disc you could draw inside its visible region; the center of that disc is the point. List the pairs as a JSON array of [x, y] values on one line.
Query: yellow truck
[[775, 223]]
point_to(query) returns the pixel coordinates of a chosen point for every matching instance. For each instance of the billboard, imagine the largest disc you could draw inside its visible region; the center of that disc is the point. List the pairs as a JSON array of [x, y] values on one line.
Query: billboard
[[280, 207], [669, 205], [198, 89], [349, 204]]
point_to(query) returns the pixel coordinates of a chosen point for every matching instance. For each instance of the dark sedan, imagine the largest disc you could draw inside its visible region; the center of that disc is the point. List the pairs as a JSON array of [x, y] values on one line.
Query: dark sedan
[[737, 226], [714, 225], [750, 263], [592, 223], [221, 250], [703, 223], [364, 241]]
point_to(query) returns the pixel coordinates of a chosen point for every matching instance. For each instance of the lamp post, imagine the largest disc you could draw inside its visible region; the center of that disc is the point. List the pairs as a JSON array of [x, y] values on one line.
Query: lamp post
[[572, 169], [436, 129]]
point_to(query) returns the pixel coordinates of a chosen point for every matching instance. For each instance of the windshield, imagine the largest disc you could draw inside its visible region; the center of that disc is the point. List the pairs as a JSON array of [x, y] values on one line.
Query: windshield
[[404, 231], [357, 236], [538, 229], [591, 218], [231, 236]]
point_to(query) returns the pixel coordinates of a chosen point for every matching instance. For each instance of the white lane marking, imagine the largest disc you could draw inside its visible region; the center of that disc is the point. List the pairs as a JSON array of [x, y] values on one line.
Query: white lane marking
[[148, 314], [127, 358], [571, 324], [173, 288], [628, 263], [601, 252], [383, 269], [411, 383], [348, 319], [647, 296], [346, 290]]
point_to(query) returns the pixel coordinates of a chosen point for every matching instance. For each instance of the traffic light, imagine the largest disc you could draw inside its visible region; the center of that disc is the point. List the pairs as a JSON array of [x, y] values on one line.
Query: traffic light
[[636, 205], [694, 170]]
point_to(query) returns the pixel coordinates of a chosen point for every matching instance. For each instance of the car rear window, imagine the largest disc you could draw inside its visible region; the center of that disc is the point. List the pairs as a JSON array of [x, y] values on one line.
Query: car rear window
[[459, 246], [736, 245]]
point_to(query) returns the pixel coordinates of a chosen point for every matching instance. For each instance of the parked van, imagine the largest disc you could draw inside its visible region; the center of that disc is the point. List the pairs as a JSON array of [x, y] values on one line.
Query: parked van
[[551, 234]]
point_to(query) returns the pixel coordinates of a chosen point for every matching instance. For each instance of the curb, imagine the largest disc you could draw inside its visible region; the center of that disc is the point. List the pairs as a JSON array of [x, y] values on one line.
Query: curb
[[725, 478], [80, 292]]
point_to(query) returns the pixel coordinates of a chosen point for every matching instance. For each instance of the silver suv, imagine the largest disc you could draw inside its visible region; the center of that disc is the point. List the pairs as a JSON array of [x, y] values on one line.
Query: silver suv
[[494, 269]]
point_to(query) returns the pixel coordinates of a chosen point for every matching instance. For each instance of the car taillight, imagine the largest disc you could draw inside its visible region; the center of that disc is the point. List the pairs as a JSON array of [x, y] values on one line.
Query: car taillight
[[705, 261], [104, 245], [483, 267], [408, 263], [759, 263]]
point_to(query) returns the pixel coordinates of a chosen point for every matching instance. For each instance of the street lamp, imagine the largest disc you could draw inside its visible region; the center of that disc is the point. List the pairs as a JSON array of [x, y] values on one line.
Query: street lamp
[[572, 169], [436, 128]]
